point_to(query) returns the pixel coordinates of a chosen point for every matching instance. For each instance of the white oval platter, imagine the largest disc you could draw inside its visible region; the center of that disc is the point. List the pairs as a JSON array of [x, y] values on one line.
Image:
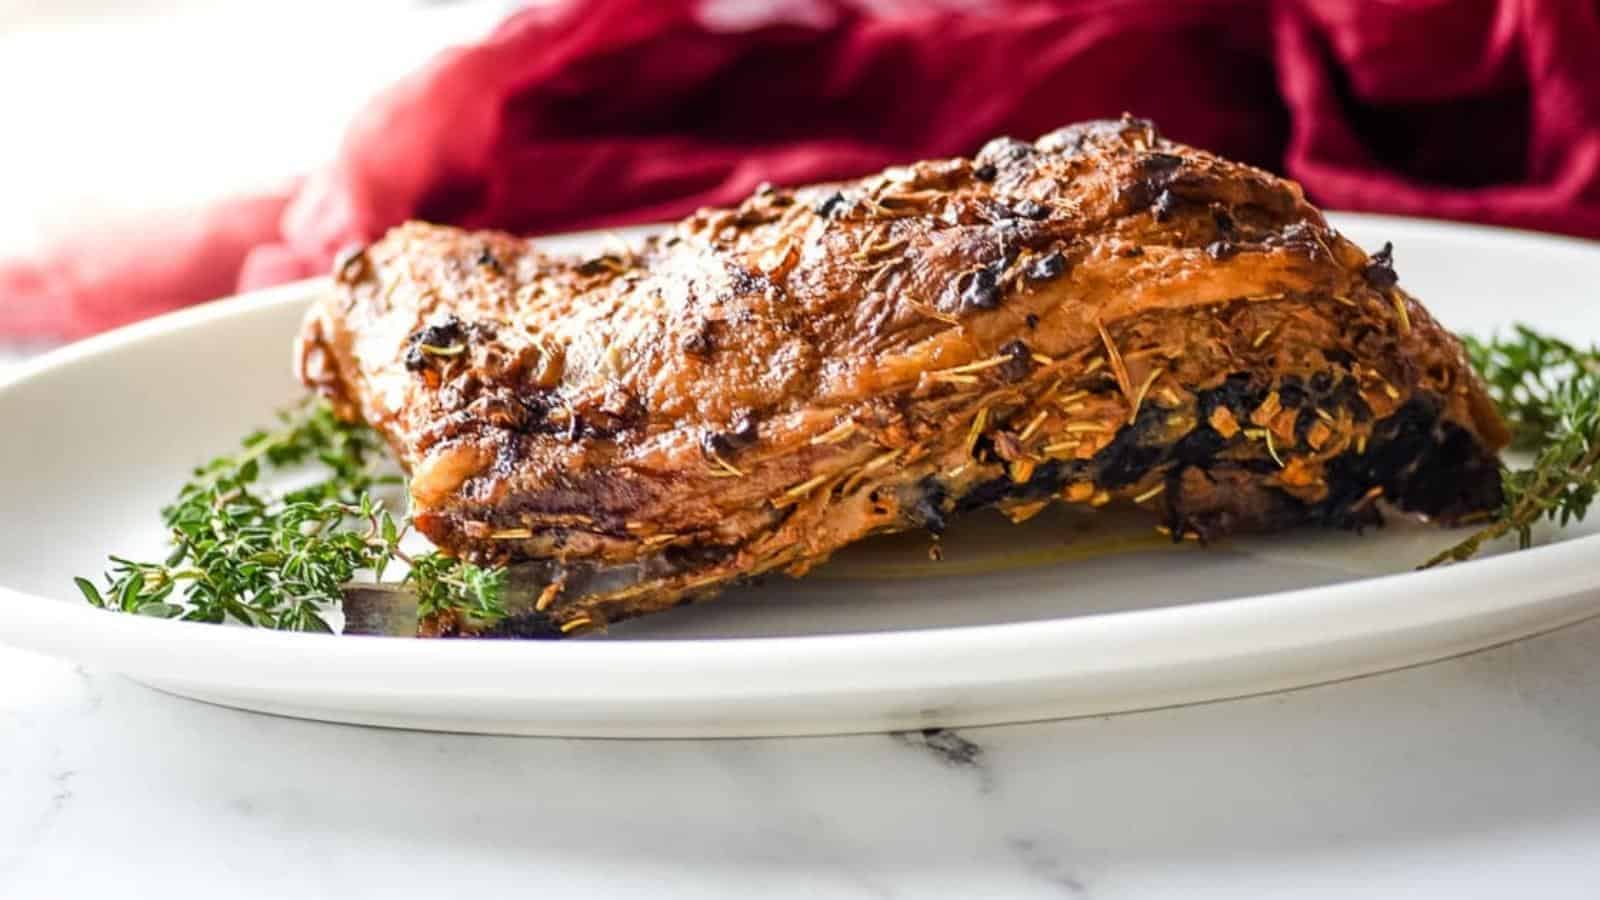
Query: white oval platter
[[1065, 616]]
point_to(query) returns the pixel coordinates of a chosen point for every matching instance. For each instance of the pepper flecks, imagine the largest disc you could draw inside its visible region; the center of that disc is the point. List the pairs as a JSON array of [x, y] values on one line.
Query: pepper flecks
[[1166, 204], [534, 409], [1050, 266], [1223, 220], [985, 172], [742, 433], [572, 426], [1152, 174], [982, 290], [488, 260], [745, 429], [700, 343], [1019, 362], [1029, 209], [1004, 150], [1379, 271], [441, 338], [716, 443], [1299, 235], [830, 204]]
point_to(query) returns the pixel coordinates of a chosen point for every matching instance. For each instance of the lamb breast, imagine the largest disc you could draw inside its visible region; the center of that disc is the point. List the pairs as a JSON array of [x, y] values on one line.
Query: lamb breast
[[1100, 315]]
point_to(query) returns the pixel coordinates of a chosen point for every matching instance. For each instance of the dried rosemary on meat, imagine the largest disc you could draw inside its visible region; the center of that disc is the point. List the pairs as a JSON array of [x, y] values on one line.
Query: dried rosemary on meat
[[1549, 393], [242, 553]]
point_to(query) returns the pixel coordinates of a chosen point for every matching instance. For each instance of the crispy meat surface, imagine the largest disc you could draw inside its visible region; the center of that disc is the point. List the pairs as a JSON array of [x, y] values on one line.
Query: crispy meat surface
[[1100, 315]]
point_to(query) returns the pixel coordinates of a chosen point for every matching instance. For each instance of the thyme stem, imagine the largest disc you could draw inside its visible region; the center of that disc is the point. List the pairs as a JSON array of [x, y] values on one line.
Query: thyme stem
[[1549, 393], [248, 555]]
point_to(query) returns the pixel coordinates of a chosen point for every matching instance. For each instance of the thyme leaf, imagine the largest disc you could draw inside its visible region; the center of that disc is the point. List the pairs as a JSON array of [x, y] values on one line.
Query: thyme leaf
[[242, 553], [1549, 393]]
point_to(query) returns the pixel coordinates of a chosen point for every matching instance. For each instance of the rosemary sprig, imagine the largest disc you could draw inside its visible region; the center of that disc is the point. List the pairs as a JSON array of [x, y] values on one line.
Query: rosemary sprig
[[1549, 393], [244, 554]]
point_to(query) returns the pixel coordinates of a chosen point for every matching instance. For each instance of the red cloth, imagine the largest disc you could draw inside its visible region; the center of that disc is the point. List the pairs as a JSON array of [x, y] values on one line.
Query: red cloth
[[616, 111]]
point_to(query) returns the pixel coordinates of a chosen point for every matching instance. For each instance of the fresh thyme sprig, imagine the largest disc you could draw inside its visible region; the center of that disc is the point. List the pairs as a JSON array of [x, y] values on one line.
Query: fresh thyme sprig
[[471, 596], [242, 553], [1549, 393]]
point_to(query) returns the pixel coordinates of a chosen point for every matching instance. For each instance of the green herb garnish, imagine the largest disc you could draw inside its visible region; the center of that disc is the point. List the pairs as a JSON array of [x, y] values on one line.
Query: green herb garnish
[[242, 553], [1549, 393]]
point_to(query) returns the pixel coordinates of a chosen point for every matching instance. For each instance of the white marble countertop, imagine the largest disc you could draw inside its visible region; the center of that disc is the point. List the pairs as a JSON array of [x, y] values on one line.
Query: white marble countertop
[[1469, 778]]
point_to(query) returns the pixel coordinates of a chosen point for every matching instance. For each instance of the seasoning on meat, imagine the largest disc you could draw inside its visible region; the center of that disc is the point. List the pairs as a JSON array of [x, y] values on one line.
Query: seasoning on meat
[[1146, 323]]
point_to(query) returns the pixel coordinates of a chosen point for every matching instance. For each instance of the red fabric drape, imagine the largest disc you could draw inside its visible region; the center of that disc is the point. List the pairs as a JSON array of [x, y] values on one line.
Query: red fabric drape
[[616, 111]]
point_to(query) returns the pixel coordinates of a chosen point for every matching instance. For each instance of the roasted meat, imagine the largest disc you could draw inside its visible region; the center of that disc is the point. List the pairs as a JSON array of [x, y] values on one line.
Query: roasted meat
[[1098, 316]]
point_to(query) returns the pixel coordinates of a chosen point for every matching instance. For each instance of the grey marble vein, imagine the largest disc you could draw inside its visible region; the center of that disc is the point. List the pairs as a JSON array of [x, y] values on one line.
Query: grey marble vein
[[953, 750], [1047, 866]]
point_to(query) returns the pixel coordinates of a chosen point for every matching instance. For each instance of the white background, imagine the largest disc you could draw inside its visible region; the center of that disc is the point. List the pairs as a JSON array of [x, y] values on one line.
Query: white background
[[108, 109]]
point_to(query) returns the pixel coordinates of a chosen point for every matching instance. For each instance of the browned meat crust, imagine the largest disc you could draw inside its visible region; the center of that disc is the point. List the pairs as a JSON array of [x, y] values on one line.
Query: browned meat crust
[[1099, 315]]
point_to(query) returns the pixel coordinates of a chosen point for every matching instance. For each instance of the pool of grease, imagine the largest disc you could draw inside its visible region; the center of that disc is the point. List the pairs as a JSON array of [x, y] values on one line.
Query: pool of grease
[[1064, 562], [986, 543]]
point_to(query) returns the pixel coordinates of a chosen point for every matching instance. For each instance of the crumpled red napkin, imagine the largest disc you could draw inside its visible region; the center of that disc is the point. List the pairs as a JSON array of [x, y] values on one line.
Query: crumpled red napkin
[[616, 111]]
